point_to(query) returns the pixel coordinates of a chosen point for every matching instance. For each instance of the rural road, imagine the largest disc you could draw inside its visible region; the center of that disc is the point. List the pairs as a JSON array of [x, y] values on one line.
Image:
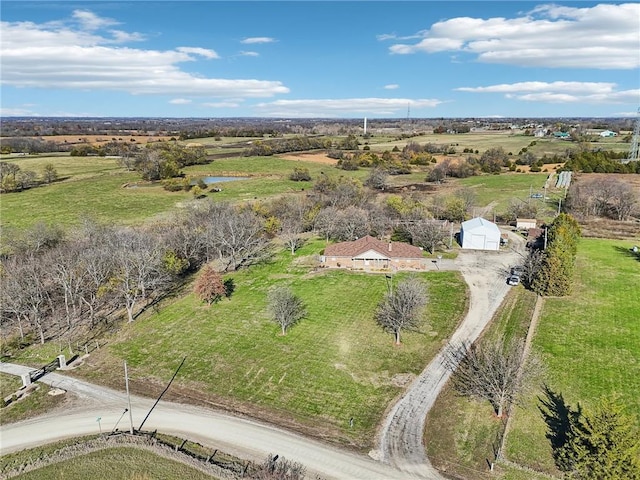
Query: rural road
[[245, 438], [400, 442], [400, 439]]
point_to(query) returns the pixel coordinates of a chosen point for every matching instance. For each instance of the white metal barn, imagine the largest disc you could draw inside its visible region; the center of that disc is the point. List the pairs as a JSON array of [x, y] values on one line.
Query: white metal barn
[[480, 234]]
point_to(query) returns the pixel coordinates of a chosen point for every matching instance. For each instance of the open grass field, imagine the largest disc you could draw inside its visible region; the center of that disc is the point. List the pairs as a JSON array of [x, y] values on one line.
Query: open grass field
[[590, 342], [118, 463], [101, 197], [334, 365], [461, 433]]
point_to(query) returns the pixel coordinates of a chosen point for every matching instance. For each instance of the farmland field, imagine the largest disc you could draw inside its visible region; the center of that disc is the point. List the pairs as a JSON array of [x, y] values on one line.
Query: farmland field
[[590, 342]]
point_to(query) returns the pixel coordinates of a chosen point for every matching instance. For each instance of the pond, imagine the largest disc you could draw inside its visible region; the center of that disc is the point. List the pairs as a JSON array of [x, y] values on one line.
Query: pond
[[210, 180]]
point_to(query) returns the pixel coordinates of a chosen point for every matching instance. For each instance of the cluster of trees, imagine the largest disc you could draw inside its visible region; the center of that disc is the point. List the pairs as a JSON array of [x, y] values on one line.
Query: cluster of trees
[[392, 164], [608, 197], [15, 179], [263, 148], [601, 161], [163, 160], [52, 284], [30, 146], [552, 269]]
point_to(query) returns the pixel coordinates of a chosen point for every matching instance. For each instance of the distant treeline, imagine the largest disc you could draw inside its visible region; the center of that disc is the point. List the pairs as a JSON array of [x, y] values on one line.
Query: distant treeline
[[602, 161]]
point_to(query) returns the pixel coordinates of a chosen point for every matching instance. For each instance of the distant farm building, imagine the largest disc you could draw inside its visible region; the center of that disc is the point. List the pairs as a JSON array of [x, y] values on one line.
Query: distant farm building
[[525, 223], [608, 133], [479, 234], [369, 253]]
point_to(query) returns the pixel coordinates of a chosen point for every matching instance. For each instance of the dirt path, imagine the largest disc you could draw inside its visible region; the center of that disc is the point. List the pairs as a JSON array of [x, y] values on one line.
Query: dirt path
[[400, 441], [242, 437]]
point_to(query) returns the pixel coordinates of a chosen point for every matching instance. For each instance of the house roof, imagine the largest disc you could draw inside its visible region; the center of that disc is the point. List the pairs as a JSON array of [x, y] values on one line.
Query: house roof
[[480, 223], [364, 244]]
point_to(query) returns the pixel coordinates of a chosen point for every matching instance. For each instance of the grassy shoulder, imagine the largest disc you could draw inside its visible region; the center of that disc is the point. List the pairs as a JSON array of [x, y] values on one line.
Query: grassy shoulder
[[118, 463], [336, 364], [461, 433], [590, 341], [35, 403]]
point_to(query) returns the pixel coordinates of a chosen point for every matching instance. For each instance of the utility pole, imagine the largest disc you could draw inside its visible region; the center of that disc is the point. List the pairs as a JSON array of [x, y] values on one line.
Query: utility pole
[[126, 381]]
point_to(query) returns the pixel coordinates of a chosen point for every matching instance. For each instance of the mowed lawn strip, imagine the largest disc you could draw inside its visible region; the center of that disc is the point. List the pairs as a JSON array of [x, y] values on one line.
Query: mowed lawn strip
[[590, 342], [334, 365], [460, 432]]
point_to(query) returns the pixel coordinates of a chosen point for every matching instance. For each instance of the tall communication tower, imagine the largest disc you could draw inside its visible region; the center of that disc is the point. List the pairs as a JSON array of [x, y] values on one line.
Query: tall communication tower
[[633, 153]]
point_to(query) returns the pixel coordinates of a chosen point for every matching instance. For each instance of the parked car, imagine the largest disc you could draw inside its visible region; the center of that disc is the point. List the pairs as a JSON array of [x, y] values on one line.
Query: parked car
[[513, 280], [517, 270]]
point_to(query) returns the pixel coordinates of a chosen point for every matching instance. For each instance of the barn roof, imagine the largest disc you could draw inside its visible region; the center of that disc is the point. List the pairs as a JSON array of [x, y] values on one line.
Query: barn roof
[[479, 223], [364, 244]]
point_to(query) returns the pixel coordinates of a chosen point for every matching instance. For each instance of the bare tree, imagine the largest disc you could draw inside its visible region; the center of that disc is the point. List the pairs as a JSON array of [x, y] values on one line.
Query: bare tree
[[351, 223], [138, 269], [402, 307], [28, 291], [426, 233], [285, 308], [378, 178], [326, 222], [495, 371], [291, 233]]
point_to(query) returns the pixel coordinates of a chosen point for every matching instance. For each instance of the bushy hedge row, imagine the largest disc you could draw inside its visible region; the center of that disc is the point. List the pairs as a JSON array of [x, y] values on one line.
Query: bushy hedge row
[[554, 277]]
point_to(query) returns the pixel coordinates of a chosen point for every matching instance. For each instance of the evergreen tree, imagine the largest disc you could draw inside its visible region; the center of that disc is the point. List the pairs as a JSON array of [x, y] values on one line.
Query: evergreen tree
[[603, 444]]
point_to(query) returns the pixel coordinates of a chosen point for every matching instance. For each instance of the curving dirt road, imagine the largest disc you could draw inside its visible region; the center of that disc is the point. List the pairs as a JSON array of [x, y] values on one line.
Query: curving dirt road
[[400, 440], [242, 437]]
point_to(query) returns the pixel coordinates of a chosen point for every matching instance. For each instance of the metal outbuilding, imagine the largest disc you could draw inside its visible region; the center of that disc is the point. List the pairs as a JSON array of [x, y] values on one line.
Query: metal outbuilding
[[479, 234]]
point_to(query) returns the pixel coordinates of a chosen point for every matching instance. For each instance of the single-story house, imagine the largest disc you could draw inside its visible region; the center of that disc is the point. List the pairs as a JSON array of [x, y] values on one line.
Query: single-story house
[[525, 223], [369, 253], [479, 234]]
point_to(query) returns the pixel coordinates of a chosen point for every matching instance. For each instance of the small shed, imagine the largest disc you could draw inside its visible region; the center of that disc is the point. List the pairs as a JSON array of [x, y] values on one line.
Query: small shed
[[479, 234], [525, 223]]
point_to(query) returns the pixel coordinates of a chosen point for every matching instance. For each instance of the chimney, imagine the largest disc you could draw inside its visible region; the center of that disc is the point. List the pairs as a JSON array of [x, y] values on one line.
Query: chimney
[[389, 246]]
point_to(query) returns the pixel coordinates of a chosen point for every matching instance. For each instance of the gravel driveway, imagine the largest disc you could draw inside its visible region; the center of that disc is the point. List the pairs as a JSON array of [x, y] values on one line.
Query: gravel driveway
[[400, 440]]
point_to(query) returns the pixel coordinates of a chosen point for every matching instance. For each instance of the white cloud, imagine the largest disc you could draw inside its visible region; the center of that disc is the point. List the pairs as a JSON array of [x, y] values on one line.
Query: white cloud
[[204, 52], [253, 40], [391, 86], [561, 92], [244, 53], [17, 112], [90, 21], [342, 107], [604, 36], [55, 56], [180, 101]]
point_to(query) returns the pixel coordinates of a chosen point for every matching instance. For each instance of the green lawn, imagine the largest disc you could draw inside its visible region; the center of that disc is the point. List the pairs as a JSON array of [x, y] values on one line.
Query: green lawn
[[118, 463], [590, 342], [32, 405], [336, 364]]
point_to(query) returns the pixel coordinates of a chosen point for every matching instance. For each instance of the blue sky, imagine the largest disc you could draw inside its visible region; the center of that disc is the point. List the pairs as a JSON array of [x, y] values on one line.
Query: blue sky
[[320, 59]]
